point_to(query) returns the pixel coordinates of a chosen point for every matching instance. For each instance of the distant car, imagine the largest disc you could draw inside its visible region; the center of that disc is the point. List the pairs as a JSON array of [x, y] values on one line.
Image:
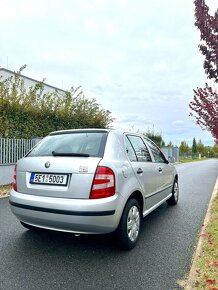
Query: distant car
[[92, 181]]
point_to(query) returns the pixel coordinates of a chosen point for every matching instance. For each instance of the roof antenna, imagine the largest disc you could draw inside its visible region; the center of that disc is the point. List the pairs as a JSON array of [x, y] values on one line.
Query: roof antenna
[[7, 62]]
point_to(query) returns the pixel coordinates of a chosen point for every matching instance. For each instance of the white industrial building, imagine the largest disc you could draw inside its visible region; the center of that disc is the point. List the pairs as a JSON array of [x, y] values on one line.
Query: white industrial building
[[29, 82]]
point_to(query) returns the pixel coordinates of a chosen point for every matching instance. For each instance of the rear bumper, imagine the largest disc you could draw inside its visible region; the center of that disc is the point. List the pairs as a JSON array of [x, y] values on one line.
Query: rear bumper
[[68, 215]]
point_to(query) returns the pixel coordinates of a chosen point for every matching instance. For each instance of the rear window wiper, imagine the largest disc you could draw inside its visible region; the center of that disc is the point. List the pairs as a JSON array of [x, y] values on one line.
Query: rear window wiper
[[69, 154]]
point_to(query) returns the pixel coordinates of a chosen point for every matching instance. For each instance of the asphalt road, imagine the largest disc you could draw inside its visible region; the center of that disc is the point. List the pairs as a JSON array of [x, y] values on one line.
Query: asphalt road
[[50, 260]]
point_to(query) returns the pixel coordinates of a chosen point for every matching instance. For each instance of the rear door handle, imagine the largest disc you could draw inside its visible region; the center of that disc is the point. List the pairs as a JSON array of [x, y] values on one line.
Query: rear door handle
[[139, 171], [160, 169]]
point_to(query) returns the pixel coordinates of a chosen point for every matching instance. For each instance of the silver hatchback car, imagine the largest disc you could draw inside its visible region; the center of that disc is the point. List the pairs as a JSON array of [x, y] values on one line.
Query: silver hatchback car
[[92, 181]]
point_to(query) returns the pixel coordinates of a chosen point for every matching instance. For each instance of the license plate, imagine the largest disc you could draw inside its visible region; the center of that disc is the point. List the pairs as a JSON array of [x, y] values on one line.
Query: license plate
[[48, 178]]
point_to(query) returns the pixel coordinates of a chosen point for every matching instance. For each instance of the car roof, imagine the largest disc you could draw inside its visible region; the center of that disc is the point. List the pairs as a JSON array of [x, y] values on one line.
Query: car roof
[[96, 130], [92, 130]]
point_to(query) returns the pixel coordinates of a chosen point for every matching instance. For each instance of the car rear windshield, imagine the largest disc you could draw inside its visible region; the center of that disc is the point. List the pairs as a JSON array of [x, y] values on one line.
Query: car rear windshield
[[81, 144]]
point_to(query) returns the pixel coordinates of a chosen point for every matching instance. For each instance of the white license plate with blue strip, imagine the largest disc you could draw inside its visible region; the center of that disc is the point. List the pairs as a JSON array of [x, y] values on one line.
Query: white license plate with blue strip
[[49, 179]]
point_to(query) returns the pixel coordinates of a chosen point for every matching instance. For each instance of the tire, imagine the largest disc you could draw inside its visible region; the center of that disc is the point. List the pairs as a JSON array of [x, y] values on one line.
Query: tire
[[27, 226], [173, 200], [128, 235]]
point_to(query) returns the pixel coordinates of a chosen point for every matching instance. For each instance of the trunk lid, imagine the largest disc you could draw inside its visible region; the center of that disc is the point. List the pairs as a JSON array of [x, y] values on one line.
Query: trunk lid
[[77, 172]]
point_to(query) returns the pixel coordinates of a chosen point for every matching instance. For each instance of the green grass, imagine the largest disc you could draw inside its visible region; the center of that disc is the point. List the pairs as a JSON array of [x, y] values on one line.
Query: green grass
[[207, 263], [186, 160]]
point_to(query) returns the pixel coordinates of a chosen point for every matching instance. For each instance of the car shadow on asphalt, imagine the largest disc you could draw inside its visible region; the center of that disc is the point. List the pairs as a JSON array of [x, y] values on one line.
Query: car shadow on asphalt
[[51, 241]]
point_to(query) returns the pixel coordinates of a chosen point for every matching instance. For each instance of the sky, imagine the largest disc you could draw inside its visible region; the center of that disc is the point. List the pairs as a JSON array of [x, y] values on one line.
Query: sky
[[137, 58]]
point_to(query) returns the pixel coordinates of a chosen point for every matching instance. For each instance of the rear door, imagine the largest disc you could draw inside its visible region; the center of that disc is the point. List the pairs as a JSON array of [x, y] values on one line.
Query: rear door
[[145, 170], [164, 168]]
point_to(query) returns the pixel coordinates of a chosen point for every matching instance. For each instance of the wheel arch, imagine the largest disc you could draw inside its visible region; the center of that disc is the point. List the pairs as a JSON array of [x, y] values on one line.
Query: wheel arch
[[138, 196]]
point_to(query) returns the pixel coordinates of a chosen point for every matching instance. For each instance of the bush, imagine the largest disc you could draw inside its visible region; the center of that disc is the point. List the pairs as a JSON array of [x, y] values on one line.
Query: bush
[[25, 113]]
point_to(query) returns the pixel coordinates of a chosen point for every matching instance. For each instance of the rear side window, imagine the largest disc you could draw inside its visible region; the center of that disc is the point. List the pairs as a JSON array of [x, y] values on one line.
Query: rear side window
[[90, 143], [158, 155], [136, 149], [130, 151]]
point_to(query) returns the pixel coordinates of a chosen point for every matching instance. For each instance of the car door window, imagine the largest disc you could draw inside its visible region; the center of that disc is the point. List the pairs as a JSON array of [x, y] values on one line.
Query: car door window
[[139, 148], [130, 151], [158, 155]]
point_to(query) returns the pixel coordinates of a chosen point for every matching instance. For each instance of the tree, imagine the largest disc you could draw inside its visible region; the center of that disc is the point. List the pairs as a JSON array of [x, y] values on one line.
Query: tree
[[215, 150], [205, 106], [184, 148], [194, 147], [209, 152], [155, 137], [170, 144], [205, 103], [208, 26], [200, 147]]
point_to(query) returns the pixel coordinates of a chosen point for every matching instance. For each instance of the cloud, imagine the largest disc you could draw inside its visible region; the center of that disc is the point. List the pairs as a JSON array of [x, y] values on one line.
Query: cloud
[[178, 122], [139, 59]]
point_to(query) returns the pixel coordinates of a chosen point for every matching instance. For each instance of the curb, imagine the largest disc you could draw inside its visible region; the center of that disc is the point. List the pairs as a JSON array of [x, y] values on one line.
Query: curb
[[189, 284]]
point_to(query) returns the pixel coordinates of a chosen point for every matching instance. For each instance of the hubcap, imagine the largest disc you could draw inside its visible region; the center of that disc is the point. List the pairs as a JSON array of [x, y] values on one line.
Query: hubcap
[[176, 191], [133, 223]]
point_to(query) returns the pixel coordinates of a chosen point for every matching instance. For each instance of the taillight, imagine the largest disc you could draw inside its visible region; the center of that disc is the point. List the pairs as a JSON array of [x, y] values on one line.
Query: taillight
[[103, 184], [15, 178]]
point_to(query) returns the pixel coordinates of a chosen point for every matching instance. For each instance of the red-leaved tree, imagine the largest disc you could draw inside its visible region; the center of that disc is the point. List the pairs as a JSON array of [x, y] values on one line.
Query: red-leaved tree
[[205, 103]]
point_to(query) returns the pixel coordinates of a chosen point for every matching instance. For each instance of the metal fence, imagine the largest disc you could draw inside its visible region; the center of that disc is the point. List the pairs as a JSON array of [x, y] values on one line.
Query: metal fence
[[13, 149], [171, 153]]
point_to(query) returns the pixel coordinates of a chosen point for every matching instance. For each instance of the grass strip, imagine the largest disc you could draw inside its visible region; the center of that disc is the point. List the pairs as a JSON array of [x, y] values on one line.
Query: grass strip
[[5, 190], [207, 263], [187, 160]]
